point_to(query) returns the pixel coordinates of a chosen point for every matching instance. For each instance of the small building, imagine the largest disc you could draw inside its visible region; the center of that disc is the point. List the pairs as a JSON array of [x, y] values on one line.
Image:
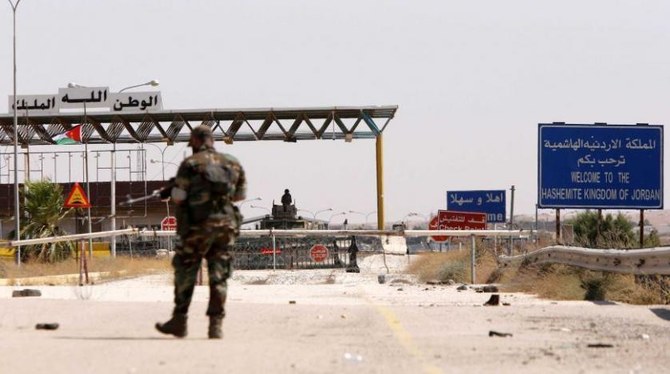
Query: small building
[[147, 214]]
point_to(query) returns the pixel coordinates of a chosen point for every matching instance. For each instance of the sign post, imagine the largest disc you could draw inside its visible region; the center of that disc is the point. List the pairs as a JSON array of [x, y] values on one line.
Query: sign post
[[600, 166], [77, 198], [318, 253], [169, 223], [452, 220], [434, 225], [491, 202]]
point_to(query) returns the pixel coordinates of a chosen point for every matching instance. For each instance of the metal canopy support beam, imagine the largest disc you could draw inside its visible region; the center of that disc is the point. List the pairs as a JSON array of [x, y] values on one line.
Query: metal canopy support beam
[[380, 182], [175, 127], [323, 128]]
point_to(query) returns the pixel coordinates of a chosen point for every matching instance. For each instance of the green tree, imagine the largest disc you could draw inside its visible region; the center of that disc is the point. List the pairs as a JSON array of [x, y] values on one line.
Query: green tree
[[43, 207], [652, 240], [610, 232]]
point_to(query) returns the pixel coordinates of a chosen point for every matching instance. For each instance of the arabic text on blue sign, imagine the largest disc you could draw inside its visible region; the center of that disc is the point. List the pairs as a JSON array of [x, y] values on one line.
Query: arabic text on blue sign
[[600, 166], [491, 202]]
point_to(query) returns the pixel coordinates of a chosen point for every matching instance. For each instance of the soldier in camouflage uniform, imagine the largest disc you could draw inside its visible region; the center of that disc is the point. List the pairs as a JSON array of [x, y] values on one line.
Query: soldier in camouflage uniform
[[206, 186]]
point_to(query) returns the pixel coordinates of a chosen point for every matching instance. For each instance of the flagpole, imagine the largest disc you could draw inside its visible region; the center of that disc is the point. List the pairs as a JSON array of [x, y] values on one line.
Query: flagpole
[[88, 187]]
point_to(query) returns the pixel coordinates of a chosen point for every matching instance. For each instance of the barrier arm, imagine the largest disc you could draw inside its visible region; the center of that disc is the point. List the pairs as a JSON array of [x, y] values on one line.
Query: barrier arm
[[73, 237], [406, 233]]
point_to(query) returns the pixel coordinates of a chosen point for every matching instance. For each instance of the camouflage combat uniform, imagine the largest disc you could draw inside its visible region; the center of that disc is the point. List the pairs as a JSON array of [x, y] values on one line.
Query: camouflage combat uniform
[[207, 224]]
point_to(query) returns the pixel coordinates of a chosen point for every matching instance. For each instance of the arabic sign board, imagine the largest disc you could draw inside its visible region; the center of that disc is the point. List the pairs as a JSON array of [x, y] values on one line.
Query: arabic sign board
[[92, 97], [600, 166], [77, 198], [433, 225], [318, 253], [454, 220], [491, 202], [169, 223]]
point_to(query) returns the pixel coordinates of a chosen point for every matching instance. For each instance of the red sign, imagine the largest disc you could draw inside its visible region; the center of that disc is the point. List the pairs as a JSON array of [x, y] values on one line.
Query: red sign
[[268, 251], [77, 198], [169, 223], [452, 220], [318, 253], [433, 226]]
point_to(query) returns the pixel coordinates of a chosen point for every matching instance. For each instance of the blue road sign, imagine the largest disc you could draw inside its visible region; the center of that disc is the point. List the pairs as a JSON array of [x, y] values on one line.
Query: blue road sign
[[600, 166], [491, 202]]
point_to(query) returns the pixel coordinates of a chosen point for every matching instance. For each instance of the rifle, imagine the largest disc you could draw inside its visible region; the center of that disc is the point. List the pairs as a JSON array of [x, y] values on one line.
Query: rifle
[[164, 193]]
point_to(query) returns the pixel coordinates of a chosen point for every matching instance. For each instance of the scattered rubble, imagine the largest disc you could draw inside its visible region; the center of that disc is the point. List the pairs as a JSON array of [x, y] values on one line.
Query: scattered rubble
[[493, 300], [46, 326], [499, 334], [600, 345], [26, 293], [437, 282]]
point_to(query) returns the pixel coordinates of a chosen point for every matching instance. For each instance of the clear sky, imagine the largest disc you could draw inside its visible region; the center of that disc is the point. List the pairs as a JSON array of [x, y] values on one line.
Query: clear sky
[[472, 80]]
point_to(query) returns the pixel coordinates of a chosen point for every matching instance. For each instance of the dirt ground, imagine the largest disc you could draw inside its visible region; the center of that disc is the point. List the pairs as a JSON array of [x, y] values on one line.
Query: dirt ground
[[327, 321]]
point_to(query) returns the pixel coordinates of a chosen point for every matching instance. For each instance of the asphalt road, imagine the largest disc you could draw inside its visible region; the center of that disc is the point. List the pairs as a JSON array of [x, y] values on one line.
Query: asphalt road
[[355, 325]]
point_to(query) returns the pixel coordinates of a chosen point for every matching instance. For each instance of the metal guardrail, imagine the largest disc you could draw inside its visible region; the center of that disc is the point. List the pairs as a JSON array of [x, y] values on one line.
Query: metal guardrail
[[632, 261]]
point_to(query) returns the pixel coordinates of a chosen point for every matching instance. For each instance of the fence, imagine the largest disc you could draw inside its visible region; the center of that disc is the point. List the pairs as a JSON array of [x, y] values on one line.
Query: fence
[[270, 249], [295, 255]]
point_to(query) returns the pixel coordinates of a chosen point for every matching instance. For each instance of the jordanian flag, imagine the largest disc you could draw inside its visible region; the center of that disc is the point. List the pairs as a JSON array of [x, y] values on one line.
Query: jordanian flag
[[69, 137]]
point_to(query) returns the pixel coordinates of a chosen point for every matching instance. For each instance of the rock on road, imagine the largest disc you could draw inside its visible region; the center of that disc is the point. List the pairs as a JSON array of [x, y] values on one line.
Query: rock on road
[[338, 323]]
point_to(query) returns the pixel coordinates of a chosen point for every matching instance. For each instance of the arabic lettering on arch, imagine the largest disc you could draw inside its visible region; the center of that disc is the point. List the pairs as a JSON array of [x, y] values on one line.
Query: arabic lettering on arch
[[46, 104], [136, 101], [80, 97]]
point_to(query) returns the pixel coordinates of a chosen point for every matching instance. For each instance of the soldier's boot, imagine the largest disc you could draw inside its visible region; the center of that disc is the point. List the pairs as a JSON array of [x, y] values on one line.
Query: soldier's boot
[[175, 326], [215, 328]]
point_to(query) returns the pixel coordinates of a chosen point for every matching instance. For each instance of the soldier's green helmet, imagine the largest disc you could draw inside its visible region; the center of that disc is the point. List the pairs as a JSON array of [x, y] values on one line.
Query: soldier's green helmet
[[201, 132]]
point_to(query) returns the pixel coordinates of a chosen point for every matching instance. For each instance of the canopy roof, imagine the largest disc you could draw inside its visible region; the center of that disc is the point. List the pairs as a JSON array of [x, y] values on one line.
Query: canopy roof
[[229, 125]]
